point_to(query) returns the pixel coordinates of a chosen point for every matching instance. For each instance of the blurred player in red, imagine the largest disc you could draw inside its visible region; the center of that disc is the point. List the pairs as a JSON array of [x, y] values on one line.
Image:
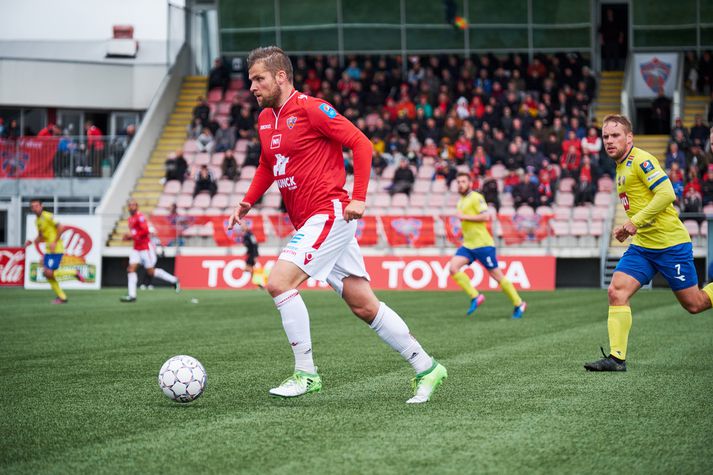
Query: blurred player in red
[[302, 139], [143, 253]]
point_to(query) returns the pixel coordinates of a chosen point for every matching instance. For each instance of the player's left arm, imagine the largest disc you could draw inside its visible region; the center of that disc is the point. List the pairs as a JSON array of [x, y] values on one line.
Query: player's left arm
[[330, 123], [51, 246], [657, 181]]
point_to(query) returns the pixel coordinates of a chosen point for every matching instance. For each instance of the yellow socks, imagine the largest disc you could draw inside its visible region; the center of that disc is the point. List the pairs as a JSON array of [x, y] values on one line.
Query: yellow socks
[[708, 289], [619, 324], [463, 280], [510, 291], [56, 289]]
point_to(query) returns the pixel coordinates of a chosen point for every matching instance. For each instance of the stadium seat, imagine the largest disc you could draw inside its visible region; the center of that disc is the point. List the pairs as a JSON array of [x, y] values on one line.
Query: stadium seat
[[188, 186], [247, 173], [596, 228], [426, 172], [498, 171], [230, 94], [544, 211], [158, 211], [223, 108], [184, 201], [507, 211], [202, 200], [214, 211], [400, 199], [422, 186], [215, 95], [580, 213], [602, 199], [418, 200], [525, 210], [566, 184], [225, 186], [388, 173], [562, 212], [166, 201], [605, 184], [190, 147], [564, 199], [217, 159], [429, 210], [241, 145], [560, 231], [579, 228], [272, 201], [599, 213], [172, 187], [452, 200], [439, 186], [398, 211], [708, 209], [242, 186], [195, 211], [220, 200], [273, 190], [237, 84], [692, 227], [506, 199], [382, 200]]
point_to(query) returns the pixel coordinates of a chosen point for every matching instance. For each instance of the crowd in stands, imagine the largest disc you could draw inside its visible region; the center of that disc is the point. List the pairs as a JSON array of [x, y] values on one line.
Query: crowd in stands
[[451, 112]]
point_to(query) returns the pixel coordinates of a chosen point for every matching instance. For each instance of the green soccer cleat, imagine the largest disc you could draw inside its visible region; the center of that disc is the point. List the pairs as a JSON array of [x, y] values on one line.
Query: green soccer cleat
[[424, 384], [298, 384]]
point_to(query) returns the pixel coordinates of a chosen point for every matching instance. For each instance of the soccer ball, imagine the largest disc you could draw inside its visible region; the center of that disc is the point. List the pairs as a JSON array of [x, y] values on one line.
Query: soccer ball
[[182, 378]]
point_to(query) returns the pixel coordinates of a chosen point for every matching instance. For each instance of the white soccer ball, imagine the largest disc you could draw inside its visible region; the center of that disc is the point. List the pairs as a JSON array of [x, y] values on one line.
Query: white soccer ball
[[182, 378]]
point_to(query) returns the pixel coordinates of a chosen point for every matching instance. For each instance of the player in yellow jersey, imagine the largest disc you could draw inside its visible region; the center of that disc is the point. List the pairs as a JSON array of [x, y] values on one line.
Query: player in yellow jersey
[[478, 245], [49, 231], [661, 242]]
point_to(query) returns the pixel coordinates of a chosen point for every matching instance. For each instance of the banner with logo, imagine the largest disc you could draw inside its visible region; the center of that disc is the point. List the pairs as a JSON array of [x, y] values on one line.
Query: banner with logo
[[412, 231], [367, 233], [12, 266], [387, 273], [281, 224], [28, 157], [82, 251], [653, 71], [171, 230], [518, 229]]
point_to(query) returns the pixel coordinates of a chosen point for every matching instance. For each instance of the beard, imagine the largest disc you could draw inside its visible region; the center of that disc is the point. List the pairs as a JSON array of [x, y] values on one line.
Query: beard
[[271, 98]]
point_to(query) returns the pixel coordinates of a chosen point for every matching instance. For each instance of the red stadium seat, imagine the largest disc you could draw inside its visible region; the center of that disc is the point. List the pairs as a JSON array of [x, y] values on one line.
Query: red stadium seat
[[525, 210], [215, 95]]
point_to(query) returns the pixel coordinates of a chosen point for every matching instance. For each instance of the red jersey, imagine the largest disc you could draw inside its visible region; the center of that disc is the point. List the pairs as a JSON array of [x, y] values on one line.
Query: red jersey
[[302, 151], [139, 228]]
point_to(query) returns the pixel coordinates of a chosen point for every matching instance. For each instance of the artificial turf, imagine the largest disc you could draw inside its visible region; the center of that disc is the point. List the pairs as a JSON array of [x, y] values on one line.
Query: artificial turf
[[80, 395]]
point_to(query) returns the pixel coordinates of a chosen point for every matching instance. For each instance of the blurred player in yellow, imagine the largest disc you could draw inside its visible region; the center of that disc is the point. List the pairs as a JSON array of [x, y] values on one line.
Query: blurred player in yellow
[[661, 242], [478, 245], [49, 231]]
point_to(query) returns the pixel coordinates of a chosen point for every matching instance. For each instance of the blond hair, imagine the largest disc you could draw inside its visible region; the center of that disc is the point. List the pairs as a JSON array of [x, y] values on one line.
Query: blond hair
[[619, 119], [273, 58]]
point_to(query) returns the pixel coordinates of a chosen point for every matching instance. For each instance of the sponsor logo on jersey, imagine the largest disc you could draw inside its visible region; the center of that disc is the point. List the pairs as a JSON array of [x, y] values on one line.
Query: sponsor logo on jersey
[[647, 166], [276, 141], [653, 176], [291, 122], [265, 126], [328, 110], [288, 183], [280, 164], [624, 201], [302, 96]]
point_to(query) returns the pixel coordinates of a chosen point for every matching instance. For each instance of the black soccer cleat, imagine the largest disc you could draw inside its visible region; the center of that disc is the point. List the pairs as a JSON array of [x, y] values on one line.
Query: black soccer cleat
[[608, 363], [177, 286], [128, 299]]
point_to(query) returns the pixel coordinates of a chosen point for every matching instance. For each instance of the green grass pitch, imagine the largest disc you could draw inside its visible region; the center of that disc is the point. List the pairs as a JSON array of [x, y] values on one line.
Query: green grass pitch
[[79, 392]]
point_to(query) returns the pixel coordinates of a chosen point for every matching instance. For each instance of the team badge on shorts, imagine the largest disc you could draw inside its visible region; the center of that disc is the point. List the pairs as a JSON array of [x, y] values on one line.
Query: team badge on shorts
[[308, 257], [291, 122]]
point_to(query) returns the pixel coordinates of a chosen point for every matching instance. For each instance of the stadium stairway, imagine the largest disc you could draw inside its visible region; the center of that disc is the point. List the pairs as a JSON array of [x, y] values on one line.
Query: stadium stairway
[[149, 186], [608, 100], [693, 106], [654, 144]]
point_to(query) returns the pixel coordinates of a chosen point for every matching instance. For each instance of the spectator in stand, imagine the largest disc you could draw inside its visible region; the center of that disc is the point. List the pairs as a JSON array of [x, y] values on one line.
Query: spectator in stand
[[545, 190], [549, 170], [481, 160], [202, 110], [552, 148], [675, 174], [224, 138], [674, 155], [592, 145], [252, 154], [13, 130], [176, 166], [699, 132], [572, 140], [205, 141], [526, 192], [661, 113], [514, 159], [403, 179], [463, 149], [511, 181], [678, 126], [95, 146], [194, 129], [499, 150], [692, 197], [558, 129], [444, 169], [707, 186], [229, 167], [570, 161], [705, 69], [429, 148], [533, 158], [378, 163], [219, 76], [490, 190], [681, 139], [3, 128], [205, 182], [584, 188], [50, 131]]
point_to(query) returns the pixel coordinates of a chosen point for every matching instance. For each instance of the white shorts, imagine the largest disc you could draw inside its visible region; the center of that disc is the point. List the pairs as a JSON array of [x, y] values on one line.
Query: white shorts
[[146, 258], [326, 249]]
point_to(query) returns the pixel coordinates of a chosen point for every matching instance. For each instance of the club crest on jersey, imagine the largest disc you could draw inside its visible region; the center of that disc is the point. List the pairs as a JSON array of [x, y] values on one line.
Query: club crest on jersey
[[647, 166], [291, 122], [629, 162], [328, 110], [276, 141]]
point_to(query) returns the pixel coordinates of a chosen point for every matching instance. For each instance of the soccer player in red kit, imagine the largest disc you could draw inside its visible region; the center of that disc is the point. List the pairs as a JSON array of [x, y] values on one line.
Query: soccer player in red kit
[[143, 252], [302, 139]]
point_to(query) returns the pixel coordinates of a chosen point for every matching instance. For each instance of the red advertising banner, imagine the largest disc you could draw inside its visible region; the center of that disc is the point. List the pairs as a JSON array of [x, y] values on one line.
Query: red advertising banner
[[387, 273], [172, 228], [518, 229], [12, 266], [367, 233], [281, 224], [412, 231], [28, 157]]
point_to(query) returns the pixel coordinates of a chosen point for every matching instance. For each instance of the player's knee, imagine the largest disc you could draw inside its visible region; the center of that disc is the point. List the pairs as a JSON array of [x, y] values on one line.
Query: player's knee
[[48, 273], [365, 312], [453, 269], [616, 295], [694, 307], [275, 287]]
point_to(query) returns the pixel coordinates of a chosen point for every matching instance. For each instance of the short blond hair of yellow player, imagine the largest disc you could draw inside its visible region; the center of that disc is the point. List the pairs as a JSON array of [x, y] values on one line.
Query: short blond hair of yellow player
[[49, 231], [661, 242], [478, 245]]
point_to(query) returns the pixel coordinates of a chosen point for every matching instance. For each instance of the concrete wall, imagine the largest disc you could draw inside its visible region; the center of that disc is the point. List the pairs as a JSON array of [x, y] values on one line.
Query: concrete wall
[[63, 187]]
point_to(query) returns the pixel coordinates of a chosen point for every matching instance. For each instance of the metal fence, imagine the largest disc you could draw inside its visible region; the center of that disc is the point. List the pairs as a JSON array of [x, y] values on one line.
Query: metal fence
[[61, 157]]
